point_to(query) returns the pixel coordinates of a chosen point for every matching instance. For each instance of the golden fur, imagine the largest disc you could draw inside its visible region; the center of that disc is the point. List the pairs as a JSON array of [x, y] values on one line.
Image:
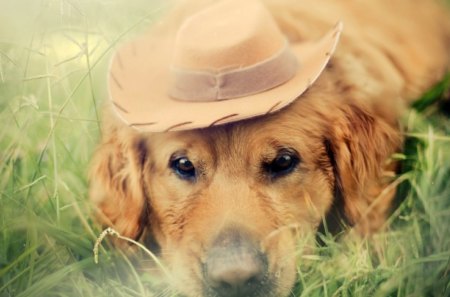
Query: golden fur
[[344, 130]]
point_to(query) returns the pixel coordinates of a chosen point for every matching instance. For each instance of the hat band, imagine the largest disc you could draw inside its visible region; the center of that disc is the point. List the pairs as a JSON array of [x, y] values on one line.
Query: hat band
[[188, 85]]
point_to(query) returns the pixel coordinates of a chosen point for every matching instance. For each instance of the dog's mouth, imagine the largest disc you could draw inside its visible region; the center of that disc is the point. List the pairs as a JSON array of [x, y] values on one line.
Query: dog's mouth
[[235, 265]]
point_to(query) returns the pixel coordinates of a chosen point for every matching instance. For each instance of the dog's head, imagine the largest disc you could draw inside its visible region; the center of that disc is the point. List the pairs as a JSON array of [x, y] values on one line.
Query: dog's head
[[226, 205]]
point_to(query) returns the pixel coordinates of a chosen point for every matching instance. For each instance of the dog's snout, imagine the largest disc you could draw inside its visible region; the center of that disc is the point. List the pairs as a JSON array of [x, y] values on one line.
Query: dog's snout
[[235, 266], [236, 274]]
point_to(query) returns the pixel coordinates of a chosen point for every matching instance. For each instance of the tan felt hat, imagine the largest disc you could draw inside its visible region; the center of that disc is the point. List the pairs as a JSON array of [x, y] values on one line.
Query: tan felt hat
[[226, 63]]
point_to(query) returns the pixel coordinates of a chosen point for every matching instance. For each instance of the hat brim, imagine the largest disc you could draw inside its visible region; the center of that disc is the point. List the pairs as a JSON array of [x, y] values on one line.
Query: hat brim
[[139, 80]]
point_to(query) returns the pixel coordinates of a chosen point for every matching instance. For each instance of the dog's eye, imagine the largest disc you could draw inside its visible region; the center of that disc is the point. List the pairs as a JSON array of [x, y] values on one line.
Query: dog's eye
[[183, 167], [284, 163]]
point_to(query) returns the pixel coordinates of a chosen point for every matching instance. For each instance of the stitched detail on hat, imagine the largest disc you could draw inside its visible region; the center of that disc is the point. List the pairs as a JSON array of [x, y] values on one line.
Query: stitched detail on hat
[[119, 107], [116, 81], [177, 125], [273, 107], [143, 124], [223, 118]]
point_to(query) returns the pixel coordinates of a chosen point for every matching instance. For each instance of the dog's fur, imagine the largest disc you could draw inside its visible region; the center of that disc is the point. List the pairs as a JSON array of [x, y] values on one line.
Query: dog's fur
[[344, 128]]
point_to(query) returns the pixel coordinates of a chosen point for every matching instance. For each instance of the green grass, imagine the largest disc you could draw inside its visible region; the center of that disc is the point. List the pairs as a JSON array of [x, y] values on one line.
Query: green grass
[[53, 59]]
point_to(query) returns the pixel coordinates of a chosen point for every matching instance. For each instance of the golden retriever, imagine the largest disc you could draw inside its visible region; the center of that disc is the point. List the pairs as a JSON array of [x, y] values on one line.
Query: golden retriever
[[223, 206]]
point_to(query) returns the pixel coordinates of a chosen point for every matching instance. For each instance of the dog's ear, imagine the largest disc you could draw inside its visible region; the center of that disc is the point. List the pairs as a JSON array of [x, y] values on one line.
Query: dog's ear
[[360, 144], [116, 183]]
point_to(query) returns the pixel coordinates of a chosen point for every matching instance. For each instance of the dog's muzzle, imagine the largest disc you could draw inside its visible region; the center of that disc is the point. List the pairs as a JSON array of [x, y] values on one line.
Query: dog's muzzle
[[235, 266]]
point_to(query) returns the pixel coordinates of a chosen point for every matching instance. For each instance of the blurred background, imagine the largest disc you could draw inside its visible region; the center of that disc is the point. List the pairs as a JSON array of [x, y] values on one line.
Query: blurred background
[[54, 56]]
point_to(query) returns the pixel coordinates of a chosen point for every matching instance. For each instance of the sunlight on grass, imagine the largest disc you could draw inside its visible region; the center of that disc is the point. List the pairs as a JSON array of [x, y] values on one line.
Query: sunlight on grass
[[53, 58]]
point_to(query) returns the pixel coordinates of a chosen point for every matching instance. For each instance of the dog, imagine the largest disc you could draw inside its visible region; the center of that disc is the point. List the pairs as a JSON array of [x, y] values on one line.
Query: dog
[[223, 204]]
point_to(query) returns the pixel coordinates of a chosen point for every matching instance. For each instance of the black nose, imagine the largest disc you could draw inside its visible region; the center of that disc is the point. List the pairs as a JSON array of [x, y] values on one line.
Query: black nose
[[235, 267]]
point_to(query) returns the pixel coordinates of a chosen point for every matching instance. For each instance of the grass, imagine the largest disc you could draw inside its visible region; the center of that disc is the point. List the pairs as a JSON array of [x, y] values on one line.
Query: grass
[[53, 59]]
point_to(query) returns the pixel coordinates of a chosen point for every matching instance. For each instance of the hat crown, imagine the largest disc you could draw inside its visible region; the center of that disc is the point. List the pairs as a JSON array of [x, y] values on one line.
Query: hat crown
[[228, 35]]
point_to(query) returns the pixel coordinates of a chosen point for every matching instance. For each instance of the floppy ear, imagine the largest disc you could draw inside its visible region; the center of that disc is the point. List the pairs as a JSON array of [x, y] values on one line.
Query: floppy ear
[[359, 145], [116, 183]]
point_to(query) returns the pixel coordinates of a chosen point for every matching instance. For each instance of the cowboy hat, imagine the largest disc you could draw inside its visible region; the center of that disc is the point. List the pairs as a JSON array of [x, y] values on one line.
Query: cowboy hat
[[226, 63]]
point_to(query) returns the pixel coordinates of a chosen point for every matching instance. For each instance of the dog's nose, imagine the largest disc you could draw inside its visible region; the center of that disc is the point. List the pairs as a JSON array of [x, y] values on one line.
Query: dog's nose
[[237, 273], [235, 267]]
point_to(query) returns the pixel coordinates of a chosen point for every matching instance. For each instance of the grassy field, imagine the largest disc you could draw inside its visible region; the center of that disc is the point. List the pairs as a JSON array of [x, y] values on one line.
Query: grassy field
[[53, 59]]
